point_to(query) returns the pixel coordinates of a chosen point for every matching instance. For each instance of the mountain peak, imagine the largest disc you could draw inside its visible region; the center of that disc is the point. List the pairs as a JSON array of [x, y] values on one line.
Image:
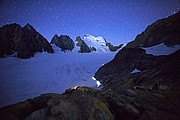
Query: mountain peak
[[97, 42], [29, 27], [94, 38]]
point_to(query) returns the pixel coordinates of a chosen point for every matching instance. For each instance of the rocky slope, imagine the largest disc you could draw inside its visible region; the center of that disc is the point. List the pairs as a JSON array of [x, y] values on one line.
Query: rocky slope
[[64, 42], [154, 87], [83, 46], [22, 41], [165, 31]]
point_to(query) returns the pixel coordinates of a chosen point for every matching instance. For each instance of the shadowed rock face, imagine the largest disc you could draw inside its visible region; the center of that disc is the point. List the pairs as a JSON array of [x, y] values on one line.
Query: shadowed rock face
[[154, 89], [24, 41], [83, 47], [113, 48], [125, 61], [165, 31], [64, 42]]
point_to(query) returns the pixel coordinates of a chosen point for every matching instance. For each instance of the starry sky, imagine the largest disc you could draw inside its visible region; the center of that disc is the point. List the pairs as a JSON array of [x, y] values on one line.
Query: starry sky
[[118, 21]]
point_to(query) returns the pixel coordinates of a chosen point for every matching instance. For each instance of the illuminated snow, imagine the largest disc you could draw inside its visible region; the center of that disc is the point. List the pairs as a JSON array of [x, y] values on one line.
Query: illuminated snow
[[135, 71], [93, 78], [97, 42], [161, 49], [98, 83]]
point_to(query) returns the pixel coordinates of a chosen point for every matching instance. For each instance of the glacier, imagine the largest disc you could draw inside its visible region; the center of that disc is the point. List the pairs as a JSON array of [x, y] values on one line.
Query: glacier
[[22, 79]]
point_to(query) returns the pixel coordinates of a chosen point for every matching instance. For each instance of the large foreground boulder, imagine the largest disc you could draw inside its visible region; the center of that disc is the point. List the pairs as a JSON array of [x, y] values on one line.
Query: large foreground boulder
[[76, 104], [110, 103], [22, 42]]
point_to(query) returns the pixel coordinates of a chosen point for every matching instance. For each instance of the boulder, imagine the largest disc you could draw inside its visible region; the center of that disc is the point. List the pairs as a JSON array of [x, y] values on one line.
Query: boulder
[[78, 105]]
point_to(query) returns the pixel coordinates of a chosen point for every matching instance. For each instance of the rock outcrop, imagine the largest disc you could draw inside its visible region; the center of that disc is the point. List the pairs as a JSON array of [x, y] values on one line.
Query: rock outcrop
[[165, 31], [83, 46], [152, 90], [22, 42], [113, 48], [64, 42]]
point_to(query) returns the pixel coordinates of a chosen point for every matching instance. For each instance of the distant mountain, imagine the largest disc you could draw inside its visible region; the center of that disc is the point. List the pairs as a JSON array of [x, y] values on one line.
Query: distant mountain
[[93, 43], [64, 42], [84, 48], [166, 30], [88, 44], [22, 42]]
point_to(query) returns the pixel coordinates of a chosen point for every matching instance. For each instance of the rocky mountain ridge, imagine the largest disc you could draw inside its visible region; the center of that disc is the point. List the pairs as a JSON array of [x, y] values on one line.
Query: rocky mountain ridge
[[166, 30], [24, 42], [88, 44]]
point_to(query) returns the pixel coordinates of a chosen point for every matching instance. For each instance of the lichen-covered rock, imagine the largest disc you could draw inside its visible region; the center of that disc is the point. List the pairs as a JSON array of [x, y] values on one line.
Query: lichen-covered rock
[[24, 42], [64, 42]]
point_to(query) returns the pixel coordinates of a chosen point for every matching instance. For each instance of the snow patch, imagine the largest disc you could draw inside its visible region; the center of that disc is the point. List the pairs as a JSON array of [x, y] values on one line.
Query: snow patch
[[135, 71], [93, 78], [161, 49], [97, 42], [98, 83]]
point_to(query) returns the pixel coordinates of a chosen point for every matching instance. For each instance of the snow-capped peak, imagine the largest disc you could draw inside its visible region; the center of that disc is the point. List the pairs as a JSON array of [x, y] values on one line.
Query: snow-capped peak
[[97, 42]]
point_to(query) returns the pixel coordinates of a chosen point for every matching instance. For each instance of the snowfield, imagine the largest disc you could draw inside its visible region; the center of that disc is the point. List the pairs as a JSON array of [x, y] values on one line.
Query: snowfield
[[97, 42], [21, 79], [161, 49]]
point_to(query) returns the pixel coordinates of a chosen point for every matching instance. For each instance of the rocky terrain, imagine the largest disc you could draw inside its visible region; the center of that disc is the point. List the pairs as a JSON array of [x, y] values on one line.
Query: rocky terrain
[[166, 30], [25, 42], [22, 42], [83, 46], [64, 42], [150, 93]]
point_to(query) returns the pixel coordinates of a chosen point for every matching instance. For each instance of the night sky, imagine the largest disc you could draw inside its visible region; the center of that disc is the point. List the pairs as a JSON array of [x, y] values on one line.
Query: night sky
[[118, 21]]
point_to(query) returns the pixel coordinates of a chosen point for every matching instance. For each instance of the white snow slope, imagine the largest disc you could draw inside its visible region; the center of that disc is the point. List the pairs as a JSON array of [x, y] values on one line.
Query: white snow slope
[[98, 42], [21, 79]]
